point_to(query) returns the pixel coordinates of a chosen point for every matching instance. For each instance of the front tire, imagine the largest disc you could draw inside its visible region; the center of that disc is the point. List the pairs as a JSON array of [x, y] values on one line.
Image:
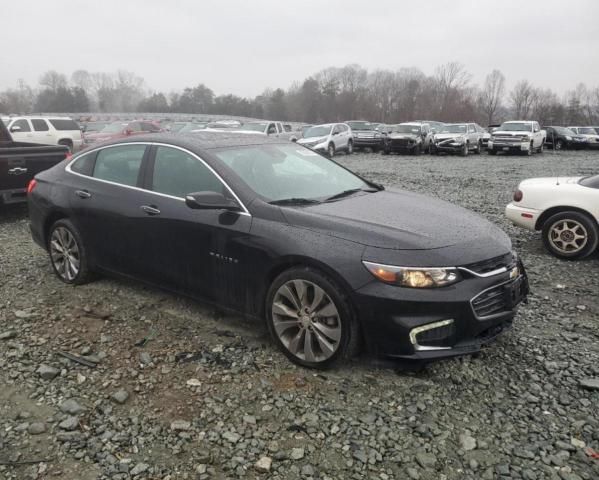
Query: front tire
[[465, 150], [417, 150], [350, 147], [331, 150], [492, 151], [559, 145], [310, 318], [541, 147], [570, 235], [68, 255]]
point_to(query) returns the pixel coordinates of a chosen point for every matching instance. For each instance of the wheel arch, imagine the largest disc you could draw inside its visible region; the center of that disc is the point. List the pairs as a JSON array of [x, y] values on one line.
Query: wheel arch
[[52, 218], [558, 209]]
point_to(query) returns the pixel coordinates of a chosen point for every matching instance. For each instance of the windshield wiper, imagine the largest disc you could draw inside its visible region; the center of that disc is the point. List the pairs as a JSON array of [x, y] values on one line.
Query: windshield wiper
[[351, 191], [294, 201]]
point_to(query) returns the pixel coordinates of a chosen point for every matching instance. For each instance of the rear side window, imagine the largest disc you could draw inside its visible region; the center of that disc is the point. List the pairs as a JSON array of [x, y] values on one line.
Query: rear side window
[[119, 164], [23, 124], [84, 165], [40, 125], [64, 124], [148, 127], [178, 173]]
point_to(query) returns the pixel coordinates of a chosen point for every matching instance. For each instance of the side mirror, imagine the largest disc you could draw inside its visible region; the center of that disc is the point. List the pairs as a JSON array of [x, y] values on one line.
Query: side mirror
[[16, 128], [209, 200], [335, 133]]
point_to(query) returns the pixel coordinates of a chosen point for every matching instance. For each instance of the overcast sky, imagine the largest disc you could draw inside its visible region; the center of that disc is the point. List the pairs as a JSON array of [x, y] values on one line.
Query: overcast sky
[[244, 46]]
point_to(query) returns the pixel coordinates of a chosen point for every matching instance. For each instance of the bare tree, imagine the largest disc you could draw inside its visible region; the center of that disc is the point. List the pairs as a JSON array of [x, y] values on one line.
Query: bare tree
[[522, 97], [53, 80], [450, 79], [491, 95]]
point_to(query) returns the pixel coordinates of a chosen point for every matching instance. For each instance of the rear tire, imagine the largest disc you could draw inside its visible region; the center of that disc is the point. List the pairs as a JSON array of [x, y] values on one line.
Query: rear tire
[[479, 148], [570, 235], [541, 148], [66, 143], [310, 318], [68, 254]]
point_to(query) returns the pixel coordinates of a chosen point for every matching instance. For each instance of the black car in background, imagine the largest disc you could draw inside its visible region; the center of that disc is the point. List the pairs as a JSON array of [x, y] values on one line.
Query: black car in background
[[365, 135], [274, 230], [562, 137]]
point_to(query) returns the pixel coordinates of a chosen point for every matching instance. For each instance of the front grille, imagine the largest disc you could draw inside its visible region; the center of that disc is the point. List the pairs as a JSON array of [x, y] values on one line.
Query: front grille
[[437, 336], [400, 142], [490, 302], [492, 264], [508, 139]]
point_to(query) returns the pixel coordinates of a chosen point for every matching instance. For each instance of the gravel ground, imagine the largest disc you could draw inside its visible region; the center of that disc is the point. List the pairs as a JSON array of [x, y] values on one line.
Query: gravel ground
[[209, 396]]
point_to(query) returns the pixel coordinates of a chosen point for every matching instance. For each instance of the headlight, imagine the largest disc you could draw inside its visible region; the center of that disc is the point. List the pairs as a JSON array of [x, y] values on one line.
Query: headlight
[[414, 277], [568, 137], [377, 135], [525, 138]]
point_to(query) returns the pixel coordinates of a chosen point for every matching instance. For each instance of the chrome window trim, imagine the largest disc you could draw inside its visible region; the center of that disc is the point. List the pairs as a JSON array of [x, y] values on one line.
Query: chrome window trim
[[77, 157]]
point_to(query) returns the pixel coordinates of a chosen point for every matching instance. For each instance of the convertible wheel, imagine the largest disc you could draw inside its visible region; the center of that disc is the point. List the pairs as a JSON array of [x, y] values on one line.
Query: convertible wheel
[[310, 319], [67, 253], [570, 235]]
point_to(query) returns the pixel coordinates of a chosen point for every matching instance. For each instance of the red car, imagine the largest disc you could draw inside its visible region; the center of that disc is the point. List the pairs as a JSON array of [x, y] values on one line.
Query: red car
[[122, 130]]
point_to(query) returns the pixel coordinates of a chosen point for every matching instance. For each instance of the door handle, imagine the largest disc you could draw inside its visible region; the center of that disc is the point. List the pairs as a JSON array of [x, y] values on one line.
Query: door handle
[[83, 194], [150, 210]]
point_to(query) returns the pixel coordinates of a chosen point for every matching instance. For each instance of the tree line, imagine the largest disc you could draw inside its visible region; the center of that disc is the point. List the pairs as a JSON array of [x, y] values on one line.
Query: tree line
[[332, 94]]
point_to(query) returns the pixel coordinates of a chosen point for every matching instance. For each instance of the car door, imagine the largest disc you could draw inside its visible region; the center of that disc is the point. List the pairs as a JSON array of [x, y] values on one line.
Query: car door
[[337, 137], [42, 132], [21, 131], [193, 251], [105, 199]]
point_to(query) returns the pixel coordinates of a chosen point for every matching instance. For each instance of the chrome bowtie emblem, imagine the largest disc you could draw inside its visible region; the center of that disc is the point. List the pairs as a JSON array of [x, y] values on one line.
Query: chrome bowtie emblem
[[17, 171]]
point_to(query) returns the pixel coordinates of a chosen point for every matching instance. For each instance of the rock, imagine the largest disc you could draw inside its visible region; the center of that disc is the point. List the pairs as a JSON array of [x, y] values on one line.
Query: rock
[[194, 382], [69, 436], [425, 459], [139, 468], [36, 428], [297, 453], [145, 358], [467, 442], [307, 470], [80, 379], [120, 396], [47, 372], [180, 425], [8, 334], [413, 473], [577, 443], [590, 383], [249, 419], [360, 455], [70, 423], [231, 437], [71, 407], [23, 314], [263, 465]]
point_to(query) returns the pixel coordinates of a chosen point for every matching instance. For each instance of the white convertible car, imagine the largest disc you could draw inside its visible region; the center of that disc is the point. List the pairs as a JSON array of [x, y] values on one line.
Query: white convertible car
[[565, 209]]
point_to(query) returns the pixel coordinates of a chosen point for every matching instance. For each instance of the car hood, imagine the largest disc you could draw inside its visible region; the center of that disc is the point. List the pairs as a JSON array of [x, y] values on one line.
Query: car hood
[[446, 136], [403, 220], [512, 132], [403, 135]]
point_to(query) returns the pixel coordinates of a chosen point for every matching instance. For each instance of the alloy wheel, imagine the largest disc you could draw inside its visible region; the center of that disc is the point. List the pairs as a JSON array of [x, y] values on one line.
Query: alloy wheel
[[64, 253], [306, 321], [568, 236]]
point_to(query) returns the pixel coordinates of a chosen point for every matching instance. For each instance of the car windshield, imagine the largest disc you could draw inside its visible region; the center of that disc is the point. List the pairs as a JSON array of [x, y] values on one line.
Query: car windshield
[[254, 126], [415, 129], [564, 131], [454, 129], [114, 128], [587, 131], [516, 127], [360, 125], [318, 131], [278, 172], [591, 182]]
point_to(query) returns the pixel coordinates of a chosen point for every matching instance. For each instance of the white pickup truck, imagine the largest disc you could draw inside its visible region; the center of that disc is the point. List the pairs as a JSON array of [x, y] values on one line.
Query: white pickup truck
[[272, 129], [521, 136]]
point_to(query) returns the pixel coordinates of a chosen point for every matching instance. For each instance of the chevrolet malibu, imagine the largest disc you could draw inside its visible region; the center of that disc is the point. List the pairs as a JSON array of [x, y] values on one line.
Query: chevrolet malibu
[[333, 262]]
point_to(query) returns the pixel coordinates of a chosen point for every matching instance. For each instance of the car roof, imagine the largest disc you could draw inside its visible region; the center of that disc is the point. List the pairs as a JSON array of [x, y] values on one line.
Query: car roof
[[40, 116], [198, 141]]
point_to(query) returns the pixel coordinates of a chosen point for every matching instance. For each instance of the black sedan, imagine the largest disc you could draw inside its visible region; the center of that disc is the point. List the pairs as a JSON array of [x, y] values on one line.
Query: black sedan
[[562, 137], [274, 230]]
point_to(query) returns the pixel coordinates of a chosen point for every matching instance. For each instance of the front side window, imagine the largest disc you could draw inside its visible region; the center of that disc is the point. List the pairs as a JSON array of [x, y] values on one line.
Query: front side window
[[119, 164], [23, 124], [39, 125], [177, 173], [277, 172]]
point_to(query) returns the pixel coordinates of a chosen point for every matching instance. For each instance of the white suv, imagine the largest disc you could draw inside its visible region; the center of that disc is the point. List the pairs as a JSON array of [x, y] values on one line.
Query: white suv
[[329, 138], [46, 130]]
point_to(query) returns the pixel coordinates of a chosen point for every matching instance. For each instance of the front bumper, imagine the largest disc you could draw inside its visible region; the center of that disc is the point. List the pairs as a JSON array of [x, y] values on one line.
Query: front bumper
[[523, 217], [400, 147], [367, 142], [449, 147], [500, 146], [468, 315]]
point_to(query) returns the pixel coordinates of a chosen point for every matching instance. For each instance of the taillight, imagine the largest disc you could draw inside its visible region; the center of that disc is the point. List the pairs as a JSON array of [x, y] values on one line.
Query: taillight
[[518, 196], [68, 156], [31, 185]]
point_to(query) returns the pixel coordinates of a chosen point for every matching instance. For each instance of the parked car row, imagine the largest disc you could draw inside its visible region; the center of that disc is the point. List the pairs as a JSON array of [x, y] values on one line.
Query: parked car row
[[46, 131]]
